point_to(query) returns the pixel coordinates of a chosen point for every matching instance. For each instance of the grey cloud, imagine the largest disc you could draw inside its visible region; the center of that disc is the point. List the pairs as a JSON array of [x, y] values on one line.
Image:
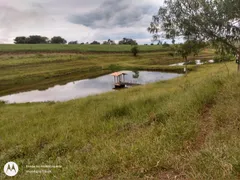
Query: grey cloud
[[12, 19], [120, 13], [103, 18], [136, 35]]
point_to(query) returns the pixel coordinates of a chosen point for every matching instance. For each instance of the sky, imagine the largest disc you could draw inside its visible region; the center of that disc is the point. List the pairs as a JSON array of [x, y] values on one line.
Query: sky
[[81, 20]]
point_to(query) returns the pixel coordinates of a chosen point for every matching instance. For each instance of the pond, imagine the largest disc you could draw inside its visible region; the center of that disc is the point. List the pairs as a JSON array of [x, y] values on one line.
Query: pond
[[86, 87]]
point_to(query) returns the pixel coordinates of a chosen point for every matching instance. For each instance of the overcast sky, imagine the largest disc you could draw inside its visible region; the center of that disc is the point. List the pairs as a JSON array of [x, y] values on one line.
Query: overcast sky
[[82, 20]]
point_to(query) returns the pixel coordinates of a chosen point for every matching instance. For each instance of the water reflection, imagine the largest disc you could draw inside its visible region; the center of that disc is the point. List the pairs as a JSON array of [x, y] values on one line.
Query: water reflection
[[136, 74], [86, 87]]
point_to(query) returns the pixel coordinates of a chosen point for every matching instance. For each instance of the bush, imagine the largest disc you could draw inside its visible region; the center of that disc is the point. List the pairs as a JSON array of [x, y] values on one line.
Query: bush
[[165, 45], [223, 58], [114, 67], [2, 102], [135, 50]]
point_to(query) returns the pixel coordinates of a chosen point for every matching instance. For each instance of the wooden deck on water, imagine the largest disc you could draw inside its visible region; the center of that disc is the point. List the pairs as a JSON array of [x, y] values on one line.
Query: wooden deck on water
[[124, 84], [119, 80]]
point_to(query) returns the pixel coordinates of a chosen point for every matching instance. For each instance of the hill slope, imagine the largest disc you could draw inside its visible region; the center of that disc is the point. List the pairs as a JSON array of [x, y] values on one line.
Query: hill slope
[[185, 128], [31, 48]]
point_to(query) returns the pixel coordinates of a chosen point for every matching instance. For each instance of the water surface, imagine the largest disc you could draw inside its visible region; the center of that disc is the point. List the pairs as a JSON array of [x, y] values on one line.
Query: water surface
[[86, 87]]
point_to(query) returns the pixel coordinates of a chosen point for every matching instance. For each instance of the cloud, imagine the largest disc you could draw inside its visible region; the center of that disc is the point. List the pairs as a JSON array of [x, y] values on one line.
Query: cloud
[[16, 18], [77, 19], [121, 13], [117, 33]]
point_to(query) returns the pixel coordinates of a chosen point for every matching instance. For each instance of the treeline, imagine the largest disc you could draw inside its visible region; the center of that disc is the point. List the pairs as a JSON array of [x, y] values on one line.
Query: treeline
[[124, 41], [36, 39]]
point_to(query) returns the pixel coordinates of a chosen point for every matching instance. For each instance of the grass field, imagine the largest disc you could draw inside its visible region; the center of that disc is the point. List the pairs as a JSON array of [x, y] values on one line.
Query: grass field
[[185, 128], [182, 128], [21, 72], [16, 48]]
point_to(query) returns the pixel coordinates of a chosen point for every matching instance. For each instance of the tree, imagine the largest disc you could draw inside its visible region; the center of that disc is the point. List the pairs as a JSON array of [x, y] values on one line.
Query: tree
[[217, 21], [109, 42], [105, 43], [95, 42], [33, 39], [73, 42], [190, 47], [135, 50], [58, 40], [20, 40], [127, 41], [159, 42], [165, 44]]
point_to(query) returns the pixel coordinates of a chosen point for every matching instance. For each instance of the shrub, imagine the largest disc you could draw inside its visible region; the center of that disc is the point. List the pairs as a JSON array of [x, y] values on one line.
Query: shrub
[[165, 45], [2, 102], [135, 50], [223, 58], [114, 67]]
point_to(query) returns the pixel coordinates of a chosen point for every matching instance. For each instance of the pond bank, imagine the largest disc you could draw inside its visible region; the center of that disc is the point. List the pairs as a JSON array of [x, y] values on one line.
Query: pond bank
[[86, 87], [44, 81]]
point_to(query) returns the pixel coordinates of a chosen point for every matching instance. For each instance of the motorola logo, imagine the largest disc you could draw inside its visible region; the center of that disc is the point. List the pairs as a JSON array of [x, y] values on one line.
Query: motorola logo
[[11, 169]]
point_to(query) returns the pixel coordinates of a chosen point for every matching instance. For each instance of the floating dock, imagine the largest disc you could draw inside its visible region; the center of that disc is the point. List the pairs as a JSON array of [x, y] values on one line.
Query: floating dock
[[120, 81]]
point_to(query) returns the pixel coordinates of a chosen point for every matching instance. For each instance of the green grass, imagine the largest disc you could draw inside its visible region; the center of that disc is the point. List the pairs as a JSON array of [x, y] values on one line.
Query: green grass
[[14, 48], [21, 72], [186, 127]]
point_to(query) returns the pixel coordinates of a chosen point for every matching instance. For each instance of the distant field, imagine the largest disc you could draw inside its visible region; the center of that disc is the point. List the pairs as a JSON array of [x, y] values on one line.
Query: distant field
[[39, 70], [75, 48]]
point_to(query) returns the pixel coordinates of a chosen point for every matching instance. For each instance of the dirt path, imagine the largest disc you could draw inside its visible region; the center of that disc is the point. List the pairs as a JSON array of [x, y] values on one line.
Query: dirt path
[[205, 127]]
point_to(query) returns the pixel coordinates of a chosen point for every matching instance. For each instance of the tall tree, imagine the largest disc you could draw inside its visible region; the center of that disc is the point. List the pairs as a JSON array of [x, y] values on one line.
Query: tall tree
[[95, 42], [73, 42], [109, 42], [135, 50], [217, 21], [128, 41], [20, 40], [190, 47], [36, 39], [33, 39], [58, 40]]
